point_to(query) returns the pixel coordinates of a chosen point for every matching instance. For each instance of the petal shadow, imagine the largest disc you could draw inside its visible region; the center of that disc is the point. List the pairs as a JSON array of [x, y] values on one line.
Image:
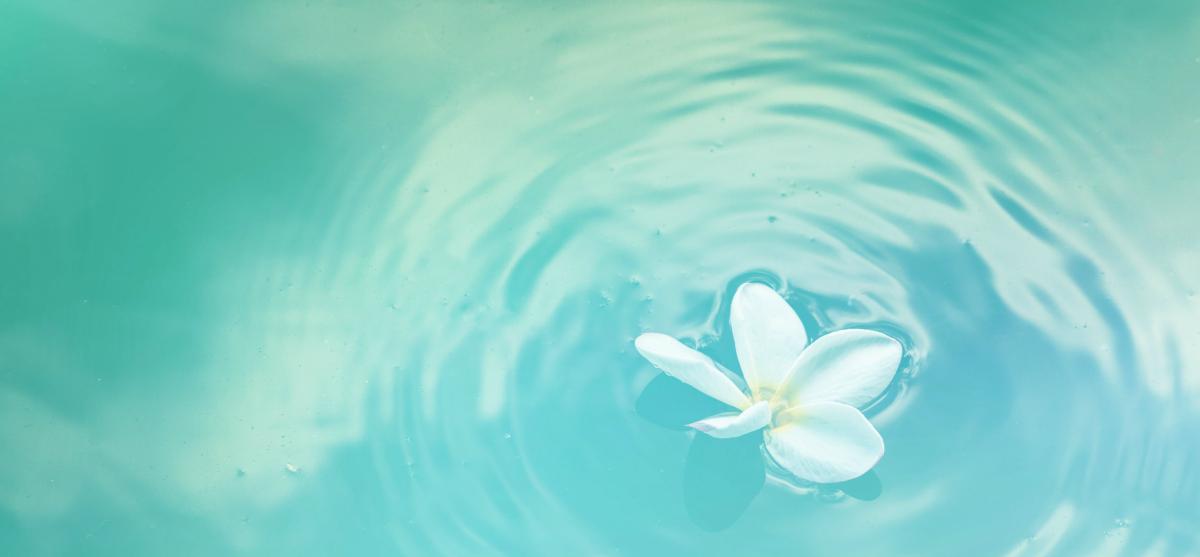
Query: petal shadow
[[721, 478], [671, 403], [866, 487]]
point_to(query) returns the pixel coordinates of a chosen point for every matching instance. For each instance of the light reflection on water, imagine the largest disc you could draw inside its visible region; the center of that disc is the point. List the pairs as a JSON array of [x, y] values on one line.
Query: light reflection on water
[[366, 280]]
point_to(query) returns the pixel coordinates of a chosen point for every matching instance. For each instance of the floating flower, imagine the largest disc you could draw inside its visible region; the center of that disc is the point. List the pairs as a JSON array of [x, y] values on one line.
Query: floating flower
[[807, 397]]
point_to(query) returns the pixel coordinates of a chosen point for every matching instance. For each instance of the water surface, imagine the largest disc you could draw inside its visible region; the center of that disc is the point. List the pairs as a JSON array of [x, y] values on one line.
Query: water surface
[[363, 279]]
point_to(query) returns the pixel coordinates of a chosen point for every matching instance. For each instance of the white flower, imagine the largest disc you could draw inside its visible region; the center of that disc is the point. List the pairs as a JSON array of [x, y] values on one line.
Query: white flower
[[808, 397]]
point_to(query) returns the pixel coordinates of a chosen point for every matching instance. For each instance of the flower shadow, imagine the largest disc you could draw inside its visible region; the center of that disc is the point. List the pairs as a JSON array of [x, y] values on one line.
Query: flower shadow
[[867, 487], [721, 476]]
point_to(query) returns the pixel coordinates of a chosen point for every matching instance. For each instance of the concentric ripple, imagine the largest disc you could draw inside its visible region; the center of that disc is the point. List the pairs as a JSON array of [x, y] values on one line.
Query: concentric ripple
[[459, 305], [915, 171]]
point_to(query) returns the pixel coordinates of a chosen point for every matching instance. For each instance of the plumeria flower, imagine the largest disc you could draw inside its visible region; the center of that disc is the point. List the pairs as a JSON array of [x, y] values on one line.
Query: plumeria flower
[[806, 397]]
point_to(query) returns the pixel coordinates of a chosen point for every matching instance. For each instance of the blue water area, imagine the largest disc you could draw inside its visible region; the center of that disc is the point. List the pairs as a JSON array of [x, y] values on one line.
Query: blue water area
[[363, 278]]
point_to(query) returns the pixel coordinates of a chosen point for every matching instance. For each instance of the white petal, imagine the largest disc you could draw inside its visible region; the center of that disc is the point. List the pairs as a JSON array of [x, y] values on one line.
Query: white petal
[[691, 367], [825, 442], [767, 334], [852, 366], [733, 424]]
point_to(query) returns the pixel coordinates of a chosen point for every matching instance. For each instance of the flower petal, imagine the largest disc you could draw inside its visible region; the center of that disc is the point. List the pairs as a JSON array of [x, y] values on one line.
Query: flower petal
[[691, 367], [732, 424], [852, 366], [825, 442], [767, 334]]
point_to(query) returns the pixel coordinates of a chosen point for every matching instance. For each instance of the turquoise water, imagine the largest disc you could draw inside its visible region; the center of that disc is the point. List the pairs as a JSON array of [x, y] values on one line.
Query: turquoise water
[[363, 278]]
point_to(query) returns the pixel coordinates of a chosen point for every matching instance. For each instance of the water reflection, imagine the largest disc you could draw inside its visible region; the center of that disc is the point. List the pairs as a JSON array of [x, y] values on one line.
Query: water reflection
[[722, 476], [407, 248]]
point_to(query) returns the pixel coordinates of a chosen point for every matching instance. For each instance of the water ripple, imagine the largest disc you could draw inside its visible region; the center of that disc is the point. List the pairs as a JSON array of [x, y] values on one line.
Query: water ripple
[[916, 171]]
